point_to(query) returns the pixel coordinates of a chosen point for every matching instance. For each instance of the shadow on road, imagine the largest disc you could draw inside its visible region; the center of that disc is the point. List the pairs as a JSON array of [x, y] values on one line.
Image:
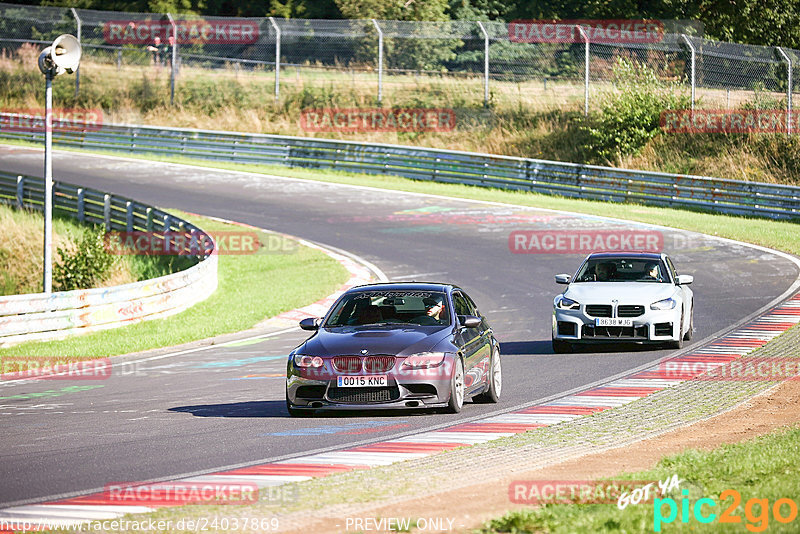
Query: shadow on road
[[546, 347], [237, 409]]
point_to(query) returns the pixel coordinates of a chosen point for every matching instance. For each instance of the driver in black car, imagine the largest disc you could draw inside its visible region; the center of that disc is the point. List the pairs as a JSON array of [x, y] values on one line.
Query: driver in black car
[[434, 312]]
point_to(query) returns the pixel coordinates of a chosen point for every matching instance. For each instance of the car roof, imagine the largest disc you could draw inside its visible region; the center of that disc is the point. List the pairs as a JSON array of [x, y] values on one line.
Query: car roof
[[404, 286], [637, 255]]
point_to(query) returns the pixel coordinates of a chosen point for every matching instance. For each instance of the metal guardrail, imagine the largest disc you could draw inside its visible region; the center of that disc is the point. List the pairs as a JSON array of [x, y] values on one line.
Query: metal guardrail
[[548, 177], [46, 316]]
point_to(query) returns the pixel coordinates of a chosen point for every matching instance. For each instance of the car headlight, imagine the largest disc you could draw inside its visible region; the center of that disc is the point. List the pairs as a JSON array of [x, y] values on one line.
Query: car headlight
[[423, 360], [567, 304], [301, 360], [666, 304]]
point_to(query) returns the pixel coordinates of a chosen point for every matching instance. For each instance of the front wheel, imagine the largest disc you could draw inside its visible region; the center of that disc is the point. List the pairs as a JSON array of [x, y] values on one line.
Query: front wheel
[[679, 343], [456, 388], [495, 380], [295, 412], [689, 333], [562, 347]]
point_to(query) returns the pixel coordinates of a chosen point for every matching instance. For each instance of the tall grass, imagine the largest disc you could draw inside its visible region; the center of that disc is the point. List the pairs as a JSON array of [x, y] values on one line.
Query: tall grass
[[22, 255], [528, 119]]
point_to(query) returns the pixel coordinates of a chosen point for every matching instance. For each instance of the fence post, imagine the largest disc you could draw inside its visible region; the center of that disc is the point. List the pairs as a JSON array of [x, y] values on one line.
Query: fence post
[[78, 70], [277, 57], [174, 61], [586, 71], [81, 204], [788, 90], [380, 61], [20, 191], [129, 216], [107, 211], [693, 53], [485, 64]]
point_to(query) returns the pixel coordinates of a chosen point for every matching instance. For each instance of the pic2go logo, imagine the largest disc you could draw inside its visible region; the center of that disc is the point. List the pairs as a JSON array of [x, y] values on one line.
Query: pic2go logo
[[756, 511]]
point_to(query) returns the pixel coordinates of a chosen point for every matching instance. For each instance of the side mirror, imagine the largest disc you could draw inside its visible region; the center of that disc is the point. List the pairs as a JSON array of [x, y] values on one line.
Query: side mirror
[[563, 278], [685, 279], [310, 323], [469, 321]]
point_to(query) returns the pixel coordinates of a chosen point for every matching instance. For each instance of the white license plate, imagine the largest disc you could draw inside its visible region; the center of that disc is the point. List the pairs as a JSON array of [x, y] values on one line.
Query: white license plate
[[613, 321], [369, 381]]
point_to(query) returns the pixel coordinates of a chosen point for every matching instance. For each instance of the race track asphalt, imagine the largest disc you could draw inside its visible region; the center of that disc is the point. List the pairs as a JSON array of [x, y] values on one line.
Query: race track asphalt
[[225, 405]]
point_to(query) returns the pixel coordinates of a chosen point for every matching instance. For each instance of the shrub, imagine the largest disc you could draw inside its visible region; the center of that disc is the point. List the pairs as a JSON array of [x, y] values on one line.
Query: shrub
[[630, 114], [85, 265]]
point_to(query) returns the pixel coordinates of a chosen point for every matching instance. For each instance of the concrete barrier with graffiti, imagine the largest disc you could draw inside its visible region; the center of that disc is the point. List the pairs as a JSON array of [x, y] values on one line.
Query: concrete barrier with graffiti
[[43, 316]]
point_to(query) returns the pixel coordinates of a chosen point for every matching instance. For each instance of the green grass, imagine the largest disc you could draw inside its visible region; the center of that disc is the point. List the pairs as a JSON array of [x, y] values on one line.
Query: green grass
[[251, 288], [760, 468]]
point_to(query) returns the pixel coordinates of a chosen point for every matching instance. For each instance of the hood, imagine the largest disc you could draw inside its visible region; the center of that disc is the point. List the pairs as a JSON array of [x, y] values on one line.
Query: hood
[[625, 292], [398, 341]]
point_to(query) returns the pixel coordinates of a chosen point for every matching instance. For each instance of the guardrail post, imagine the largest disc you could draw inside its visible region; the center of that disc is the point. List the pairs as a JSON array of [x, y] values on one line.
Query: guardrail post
[[129, 216], [167, 223], [148, 225], [788, 90], [107, 211], [380, 61], [81, 204], [586, 71], [485, 64], [277, 57], [693, 64], [78, 70], [174, 68], [20, 191]]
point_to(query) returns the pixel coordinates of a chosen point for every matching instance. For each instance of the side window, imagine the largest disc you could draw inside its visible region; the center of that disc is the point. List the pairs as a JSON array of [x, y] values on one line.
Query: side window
[[673, 271], [471, 304], [460, 304]]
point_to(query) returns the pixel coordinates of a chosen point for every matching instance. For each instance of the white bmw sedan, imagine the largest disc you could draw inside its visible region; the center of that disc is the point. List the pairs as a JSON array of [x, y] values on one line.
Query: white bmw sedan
[[623, 297]]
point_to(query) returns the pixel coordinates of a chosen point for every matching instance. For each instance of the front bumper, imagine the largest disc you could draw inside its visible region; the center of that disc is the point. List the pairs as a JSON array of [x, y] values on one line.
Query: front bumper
[[420, 388], [654, 326]]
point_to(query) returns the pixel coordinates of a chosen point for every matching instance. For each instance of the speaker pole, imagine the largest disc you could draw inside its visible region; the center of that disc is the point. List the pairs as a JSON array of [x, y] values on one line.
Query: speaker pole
[[48, 183]]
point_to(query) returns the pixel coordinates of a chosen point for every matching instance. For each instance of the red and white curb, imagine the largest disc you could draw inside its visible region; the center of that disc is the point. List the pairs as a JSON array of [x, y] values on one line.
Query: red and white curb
[[733, 345]]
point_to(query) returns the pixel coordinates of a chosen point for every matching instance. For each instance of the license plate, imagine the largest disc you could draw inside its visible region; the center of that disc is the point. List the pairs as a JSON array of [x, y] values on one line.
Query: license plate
[[369, 381], [613, 321]]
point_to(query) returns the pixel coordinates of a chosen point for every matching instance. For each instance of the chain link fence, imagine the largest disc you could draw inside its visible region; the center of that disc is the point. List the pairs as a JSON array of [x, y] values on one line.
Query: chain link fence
[[387, 62]]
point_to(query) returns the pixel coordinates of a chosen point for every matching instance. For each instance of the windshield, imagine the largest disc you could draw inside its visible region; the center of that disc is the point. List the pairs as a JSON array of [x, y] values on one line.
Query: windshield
[[425, 308], [623, 270]]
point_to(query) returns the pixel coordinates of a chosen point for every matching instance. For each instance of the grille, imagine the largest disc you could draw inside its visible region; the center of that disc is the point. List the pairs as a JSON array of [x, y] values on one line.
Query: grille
[[565, 328], [614, 332], [421, 389], [378, 364], [311, 392], [663, 329], [347, 364], [598, 310], [364, 395], [630, 311]]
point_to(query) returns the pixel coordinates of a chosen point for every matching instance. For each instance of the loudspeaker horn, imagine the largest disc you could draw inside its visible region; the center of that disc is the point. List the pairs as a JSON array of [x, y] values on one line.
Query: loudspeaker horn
[[63, 56]]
